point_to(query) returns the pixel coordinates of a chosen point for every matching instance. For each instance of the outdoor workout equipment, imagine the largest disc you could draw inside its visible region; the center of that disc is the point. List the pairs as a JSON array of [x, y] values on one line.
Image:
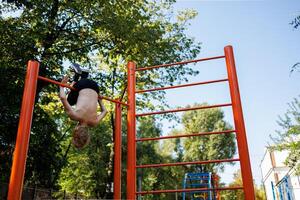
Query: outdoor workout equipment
[[22, 142], [21, 148], [239, 130]]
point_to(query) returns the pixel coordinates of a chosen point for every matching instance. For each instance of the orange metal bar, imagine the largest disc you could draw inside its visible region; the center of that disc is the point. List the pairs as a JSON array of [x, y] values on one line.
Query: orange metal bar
[[178, 63], [239, 125], [72, 88], [113, 100], [56, 82], [131, 133], [22, 142], [117, 151], [183, 109], [188, 190], [183, 85], [185, 135], [216, 185], [187, 163]]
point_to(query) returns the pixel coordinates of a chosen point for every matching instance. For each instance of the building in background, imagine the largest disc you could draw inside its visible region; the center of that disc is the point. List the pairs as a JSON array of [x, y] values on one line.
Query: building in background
[[280, 181]]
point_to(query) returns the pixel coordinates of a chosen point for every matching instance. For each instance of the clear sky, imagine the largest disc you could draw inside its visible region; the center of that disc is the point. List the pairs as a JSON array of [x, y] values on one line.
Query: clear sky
[[265, 45]]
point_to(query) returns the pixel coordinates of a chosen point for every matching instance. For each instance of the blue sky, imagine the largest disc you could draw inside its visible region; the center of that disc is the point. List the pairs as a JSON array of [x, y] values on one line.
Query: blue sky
[[265, 45]]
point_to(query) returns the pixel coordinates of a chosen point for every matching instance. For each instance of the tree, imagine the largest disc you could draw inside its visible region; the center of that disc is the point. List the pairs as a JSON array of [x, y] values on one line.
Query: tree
[[289, 137], [239, 194]]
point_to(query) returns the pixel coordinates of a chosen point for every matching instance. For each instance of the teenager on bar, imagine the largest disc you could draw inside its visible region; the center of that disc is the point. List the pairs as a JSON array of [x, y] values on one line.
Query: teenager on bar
[[85, 97]]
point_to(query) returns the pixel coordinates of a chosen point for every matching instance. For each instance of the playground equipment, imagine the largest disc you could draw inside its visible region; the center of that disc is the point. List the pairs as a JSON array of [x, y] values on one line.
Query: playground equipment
[[238, 122], [200, 180], [21, 148]]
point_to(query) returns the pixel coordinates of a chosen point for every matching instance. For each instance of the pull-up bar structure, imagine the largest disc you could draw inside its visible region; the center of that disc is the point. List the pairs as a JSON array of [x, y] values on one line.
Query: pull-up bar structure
[[22, 142]]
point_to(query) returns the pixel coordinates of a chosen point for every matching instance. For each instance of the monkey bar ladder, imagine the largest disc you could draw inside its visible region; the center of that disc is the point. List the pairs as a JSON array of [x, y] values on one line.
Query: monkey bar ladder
[[239, 129]]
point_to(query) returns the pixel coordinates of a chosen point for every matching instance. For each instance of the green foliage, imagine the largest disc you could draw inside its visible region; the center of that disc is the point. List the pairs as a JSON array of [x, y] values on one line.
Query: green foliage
[[289, 137], [44, 154]]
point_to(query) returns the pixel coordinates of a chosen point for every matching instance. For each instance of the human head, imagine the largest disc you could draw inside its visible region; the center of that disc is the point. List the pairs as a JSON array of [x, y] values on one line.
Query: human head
[[81, 136]]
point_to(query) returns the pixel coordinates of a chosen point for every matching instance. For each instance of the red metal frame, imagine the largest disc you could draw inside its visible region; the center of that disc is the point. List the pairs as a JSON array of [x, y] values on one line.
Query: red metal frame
[[117, 151], [19, 161], [178, 63], [188, 163], [239, 124], [22, 142], [216, 185], [183, 109], [238, 121], [186, 135], [179, 86], [131, 133]]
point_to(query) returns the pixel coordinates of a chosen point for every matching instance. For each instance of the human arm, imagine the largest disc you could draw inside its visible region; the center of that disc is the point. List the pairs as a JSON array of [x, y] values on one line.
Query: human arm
[[62, 95], [102, 114]]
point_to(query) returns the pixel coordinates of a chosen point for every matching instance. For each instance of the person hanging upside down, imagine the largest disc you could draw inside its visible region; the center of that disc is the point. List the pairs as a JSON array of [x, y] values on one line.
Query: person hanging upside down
[[85, 97]]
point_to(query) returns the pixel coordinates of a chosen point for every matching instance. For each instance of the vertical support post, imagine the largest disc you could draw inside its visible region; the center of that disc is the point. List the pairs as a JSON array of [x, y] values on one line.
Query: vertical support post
[[216, 185], [22, 142], [117, 151], [239, 125], [131, 133]]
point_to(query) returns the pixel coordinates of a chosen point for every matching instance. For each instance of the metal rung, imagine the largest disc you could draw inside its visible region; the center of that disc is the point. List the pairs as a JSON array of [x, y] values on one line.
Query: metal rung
[[186, 135], [182, 109], [180, 86], [178, 63], [187, 163]]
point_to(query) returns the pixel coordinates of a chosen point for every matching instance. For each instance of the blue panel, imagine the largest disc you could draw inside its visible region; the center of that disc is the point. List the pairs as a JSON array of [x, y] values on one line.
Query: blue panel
[[198, 180]]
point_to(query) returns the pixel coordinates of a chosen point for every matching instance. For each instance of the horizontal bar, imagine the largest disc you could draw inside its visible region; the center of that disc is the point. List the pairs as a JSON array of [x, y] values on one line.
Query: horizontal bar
[[178, 63], [113, 100], [183, 85], [72, 88], [187, 163], [182, 109], [189, 190], [185, 135], [56, 82]]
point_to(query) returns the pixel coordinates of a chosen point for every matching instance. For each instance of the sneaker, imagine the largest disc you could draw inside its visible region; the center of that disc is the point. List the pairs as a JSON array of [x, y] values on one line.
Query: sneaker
[[76, 67]]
